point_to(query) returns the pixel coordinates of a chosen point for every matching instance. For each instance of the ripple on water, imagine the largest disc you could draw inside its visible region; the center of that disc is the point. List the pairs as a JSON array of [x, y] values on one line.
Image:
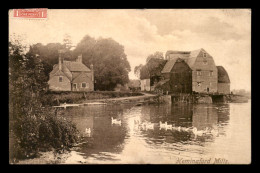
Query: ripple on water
[[129, 144]]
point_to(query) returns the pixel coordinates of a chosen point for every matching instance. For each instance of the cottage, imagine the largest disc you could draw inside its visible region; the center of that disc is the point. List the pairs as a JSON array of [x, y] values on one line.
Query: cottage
[[223, 81], [145, 85], [71, 76], [190, 71]]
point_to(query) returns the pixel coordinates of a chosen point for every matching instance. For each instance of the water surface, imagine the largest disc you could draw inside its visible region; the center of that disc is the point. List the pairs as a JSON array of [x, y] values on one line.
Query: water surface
[[226, 133]]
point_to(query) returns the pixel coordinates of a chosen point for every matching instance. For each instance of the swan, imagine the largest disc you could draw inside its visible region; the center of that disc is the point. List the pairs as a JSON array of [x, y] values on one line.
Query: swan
[[162, 125], [149, 126], [197, 132], [88, 130], [168, 126], [165, 126], [115, 121]]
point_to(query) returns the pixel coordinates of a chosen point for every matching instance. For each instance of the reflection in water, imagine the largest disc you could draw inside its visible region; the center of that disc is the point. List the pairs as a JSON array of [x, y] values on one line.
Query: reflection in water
[[139, 138]]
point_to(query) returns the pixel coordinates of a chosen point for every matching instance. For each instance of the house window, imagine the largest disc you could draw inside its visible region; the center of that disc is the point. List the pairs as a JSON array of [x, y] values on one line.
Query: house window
[[83, 85], [60, 78], [74, 85], [199, 83], [199, 72], [204, 55], [205, 62], [211, 73]]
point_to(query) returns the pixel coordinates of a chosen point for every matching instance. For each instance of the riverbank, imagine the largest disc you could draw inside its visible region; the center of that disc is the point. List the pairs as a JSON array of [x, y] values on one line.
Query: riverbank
[[57, 98]]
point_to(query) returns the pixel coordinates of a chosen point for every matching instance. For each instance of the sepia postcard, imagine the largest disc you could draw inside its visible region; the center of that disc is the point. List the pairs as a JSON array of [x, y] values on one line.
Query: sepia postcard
[[129, 86]]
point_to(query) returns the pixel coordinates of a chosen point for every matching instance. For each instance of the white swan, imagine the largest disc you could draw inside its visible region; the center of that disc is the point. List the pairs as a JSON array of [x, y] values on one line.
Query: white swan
[[115, 121], [162, 125], [88, 131], [197, 132], [168, 126], [165, 126], [149, 126]]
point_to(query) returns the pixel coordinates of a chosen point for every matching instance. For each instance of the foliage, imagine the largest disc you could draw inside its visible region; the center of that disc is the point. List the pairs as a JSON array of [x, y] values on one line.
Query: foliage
[[41, 133], [49, 55], [156, 55], [111, 66], [137, 70], [67, 41], [110, 62], [26, 80], [153, 67], [32, 127]]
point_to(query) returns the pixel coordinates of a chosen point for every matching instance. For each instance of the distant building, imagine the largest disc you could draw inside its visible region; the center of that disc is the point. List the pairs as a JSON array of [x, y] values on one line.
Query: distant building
[[189, 71], [223, 81], [145, 85], [71, 76], [134, 85]]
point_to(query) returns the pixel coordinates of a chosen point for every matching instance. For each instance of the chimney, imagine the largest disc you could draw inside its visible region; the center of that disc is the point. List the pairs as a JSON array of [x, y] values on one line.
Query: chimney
[[92, 72], [79, 59], [60, 61]]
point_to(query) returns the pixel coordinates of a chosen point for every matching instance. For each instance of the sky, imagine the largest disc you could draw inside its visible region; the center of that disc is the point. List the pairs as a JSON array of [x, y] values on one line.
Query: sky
[[224, 33]]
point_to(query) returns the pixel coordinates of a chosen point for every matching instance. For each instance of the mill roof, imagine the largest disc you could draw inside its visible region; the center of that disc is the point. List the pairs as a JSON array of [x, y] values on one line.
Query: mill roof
[[188, 56], [168, 66], [222, 75]]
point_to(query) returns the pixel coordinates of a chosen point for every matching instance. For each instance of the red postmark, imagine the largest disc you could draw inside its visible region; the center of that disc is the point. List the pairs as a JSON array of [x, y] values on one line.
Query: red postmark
[[31, 13]]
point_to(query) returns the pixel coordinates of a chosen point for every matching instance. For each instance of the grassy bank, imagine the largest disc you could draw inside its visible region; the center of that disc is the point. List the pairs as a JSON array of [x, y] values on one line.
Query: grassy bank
[[52, 98]]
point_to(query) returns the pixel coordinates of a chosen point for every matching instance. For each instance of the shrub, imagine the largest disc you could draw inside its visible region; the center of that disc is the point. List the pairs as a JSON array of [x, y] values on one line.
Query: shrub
[[42, 133]]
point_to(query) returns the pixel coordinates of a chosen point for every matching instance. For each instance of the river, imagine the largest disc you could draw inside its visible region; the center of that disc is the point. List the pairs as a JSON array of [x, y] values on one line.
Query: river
[[225, 136]]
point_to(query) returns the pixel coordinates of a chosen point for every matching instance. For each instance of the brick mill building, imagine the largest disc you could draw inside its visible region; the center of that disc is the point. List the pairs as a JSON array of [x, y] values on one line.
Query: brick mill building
[[71, 76], [187, 72]]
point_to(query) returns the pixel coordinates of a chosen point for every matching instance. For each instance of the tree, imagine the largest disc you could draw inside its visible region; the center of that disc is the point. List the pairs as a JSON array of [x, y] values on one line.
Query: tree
[[153, 67], [156, 55], [111, 66], [49, 55], [67, 41], [27, 79], [137, 70], [33, 127]]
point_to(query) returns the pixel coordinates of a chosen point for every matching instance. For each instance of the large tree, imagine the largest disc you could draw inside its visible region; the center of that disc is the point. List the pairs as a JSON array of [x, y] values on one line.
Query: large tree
[[153, 67], [111, 66], [26, 79], [49, 54]]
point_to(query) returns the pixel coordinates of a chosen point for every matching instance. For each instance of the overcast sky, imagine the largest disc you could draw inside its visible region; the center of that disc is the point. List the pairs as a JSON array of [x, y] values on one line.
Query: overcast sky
[[224, 34]]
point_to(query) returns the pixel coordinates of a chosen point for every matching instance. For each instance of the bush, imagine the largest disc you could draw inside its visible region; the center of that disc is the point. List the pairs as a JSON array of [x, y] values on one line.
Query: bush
[[42, 133]]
